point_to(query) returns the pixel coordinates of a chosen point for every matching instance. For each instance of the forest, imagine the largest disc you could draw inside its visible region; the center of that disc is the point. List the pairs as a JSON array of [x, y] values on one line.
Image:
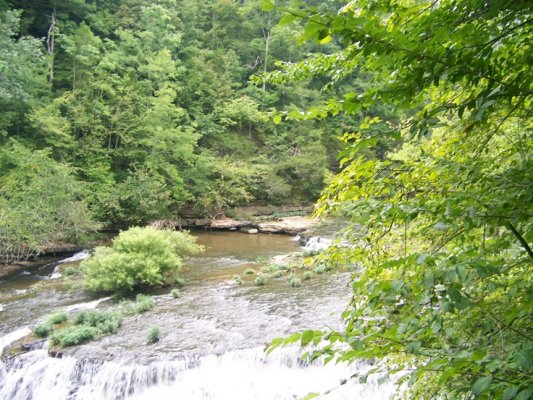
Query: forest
[[409, 119], [118, 113]]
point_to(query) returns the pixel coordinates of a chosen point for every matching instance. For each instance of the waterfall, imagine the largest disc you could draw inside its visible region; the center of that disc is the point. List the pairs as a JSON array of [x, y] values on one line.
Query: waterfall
[[238, 374]]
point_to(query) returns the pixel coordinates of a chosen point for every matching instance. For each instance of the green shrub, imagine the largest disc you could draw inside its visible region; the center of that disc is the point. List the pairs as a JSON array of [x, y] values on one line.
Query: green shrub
[[175, 293], [57, 318], [142, 304], [69, 271], [249, 271], [308, 275], [153, 336], [138, 256], [42, 330], [73, 335], [260, 280]]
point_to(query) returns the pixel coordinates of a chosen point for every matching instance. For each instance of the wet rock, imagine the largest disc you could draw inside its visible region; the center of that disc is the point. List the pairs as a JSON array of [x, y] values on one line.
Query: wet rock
[[201, 222], [228, 223], [252, 231], [55, 353], [289, 225]]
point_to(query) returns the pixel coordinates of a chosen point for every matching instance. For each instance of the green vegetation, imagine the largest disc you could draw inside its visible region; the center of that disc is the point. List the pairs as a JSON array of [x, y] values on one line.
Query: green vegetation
[[142, 304], [57, 318], [43, 330], [307, 275], [175, 293], [441, 223], [69, 271], [116, 119], [153, 335], [294, 281], [179, 281], [260, 280], [238, 279], [138, 257], [249, 271]]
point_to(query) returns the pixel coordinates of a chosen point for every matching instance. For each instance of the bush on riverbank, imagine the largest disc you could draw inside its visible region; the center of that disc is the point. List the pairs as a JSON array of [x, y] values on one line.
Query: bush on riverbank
[[138, 257]]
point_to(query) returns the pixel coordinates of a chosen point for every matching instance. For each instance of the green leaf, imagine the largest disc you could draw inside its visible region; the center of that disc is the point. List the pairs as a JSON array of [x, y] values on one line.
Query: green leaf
[[287, 19], [267, 5], [481, 385], [509, 393], [524, 394], [310, 396], [307, 337]]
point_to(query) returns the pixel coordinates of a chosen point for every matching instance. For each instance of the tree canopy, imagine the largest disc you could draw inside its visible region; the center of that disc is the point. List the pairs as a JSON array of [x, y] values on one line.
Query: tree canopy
[[442, 224]]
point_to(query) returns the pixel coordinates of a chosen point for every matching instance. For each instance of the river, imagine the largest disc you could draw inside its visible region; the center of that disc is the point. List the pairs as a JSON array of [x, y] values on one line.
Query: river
[[212, 338]]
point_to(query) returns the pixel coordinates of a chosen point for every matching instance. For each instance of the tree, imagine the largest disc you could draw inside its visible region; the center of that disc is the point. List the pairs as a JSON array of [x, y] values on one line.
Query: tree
[[441, 226]]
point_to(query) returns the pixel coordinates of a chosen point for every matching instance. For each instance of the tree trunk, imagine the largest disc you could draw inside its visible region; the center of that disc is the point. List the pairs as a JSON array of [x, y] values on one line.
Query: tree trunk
[[50, 45]]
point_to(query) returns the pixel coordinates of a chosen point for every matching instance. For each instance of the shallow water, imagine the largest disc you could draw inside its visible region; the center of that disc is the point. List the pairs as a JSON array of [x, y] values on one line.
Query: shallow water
[[212, 338]]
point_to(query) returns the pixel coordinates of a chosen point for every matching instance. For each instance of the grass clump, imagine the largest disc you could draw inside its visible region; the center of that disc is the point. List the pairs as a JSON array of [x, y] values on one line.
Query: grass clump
[[260, 280], [308, 275], [138, 257], [294, 281], [238, 280], [69, 271], [249, 271], [57, 317], [86, 326], [141, 304], [312, 252], [320, 269], [43, 330], [277, 274], [105, 322], [153, 335], [179, 281], [72, 336], [175, 293]]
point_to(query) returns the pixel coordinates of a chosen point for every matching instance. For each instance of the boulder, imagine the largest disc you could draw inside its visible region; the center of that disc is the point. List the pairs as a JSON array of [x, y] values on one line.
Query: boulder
[[252, 231]]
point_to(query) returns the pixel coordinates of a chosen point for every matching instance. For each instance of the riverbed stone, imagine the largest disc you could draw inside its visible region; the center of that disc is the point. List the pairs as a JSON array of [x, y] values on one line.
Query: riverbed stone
[[252, 231]]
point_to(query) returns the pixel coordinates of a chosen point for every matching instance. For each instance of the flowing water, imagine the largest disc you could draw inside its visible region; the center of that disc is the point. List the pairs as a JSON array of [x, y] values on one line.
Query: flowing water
[[212, 338]]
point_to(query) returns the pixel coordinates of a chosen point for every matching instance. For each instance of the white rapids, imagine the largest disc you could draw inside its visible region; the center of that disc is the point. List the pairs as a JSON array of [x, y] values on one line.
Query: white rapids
[[238, 374]]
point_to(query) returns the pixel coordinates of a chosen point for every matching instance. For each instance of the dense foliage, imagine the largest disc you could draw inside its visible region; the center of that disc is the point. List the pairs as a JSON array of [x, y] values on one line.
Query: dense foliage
[[138, 257], [442, 226], [146, 108]]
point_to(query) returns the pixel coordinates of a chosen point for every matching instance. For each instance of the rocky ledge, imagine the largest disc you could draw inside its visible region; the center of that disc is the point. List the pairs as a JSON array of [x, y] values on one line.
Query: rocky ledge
[[285, 225]]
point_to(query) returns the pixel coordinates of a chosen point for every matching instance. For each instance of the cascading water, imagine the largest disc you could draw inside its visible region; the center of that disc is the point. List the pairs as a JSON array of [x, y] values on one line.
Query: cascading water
[[212, 338], [240, 374]]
